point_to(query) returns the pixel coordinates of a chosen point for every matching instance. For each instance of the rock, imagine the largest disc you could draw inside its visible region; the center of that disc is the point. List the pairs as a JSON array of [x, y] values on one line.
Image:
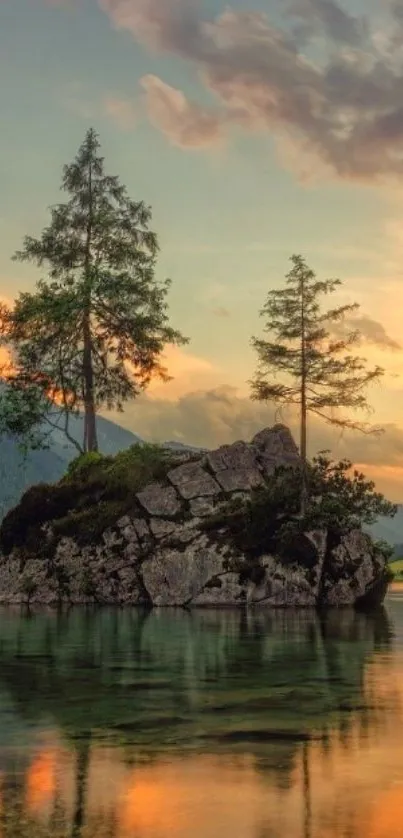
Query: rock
[[167, 556], [173, 577], [275, 447], [275, 440], [142, 528], [240, 455], [224, 589], [318, 539], [201, 507], [192, 481], [281, 586], [351, 569], [161, 528], [160, 500], [239, 480]]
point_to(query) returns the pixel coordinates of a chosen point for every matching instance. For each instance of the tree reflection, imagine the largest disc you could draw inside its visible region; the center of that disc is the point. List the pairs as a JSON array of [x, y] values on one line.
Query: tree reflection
[[83, 762], [266, 685]]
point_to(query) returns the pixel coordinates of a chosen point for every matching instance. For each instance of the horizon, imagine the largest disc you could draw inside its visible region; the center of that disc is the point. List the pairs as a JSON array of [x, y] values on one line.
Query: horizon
[[252, 136]]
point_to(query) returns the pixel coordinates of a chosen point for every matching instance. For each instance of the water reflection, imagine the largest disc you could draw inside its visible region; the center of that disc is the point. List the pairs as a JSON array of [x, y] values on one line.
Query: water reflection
[[119, 724]]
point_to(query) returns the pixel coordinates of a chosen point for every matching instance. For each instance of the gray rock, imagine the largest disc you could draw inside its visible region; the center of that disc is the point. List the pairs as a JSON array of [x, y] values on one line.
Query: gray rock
[[177, 562], [172, 577], [111, 538], [239, 480], [351, 569], [202, 507], [161, 528], [240, 455], [161, 501], [142, 528], [275, 439], [225, 589], [192, 481]]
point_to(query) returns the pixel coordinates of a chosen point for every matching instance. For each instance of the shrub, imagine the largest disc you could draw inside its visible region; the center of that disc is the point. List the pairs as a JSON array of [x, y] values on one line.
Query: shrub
[[82, 466], [94, 493], [340, 500]]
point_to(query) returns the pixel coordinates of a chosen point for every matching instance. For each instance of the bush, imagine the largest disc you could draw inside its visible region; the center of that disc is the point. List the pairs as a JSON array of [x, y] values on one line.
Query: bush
[[340, 500], [82, 466], [96, 491]]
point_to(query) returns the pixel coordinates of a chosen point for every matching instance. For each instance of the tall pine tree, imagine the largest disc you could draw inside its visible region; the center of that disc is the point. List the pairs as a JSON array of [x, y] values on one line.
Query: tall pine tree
[[318, 373], [92, 334]]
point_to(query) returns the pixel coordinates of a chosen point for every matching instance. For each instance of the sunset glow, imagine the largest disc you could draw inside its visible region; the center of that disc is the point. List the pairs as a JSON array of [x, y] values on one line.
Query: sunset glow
[[239, 176]]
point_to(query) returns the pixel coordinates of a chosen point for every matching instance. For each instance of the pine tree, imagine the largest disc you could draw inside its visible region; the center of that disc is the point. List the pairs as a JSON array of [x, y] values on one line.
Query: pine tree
[[92, 334], [319, 373]]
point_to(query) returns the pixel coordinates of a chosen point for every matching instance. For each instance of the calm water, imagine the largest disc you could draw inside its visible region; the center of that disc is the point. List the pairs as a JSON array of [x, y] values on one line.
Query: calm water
[[132, 725]]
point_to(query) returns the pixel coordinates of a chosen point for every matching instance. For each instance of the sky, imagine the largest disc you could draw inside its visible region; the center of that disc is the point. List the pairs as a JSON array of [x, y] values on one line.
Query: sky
[[255, 129]]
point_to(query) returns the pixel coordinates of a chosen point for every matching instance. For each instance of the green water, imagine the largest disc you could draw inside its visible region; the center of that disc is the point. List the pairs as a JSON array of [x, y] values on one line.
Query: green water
[[148, 725]]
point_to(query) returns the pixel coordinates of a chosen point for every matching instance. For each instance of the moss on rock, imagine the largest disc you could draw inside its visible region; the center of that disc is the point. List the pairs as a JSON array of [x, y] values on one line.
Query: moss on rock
[[95, 492]]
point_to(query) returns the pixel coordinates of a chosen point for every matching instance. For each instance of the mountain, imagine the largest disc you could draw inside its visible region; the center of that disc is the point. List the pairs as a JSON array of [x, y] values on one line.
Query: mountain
[[180, 446], [389, 529]]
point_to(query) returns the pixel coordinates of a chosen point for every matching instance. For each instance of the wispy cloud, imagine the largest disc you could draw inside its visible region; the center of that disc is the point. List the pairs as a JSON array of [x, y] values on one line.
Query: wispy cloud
[[371, 331], [346, 107], [185, 123]]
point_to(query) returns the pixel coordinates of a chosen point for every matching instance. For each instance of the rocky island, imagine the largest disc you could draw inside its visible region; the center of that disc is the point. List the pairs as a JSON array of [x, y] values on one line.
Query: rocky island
[[156, 528]]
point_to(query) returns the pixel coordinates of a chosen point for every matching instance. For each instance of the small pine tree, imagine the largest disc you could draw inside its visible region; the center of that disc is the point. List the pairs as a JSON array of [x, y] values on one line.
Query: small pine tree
[[319, 374], [92, 333]]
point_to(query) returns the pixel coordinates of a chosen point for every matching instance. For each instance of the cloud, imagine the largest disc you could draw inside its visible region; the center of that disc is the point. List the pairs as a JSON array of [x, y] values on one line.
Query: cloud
[[371, 331], [344, 107], [220, 415], [188, 372], [338, 25], [186, 124]]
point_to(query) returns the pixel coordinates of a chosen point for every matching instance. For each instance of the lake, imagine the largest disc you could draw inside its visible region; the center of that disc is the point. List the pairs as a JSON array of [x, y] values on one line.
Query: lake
[[124, 724]]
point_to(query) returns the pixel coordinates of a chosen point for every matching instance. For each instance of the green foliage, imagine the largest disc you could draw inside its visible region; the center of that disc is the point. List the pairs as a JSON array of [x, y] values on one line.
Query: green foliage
[[317, 370], [81, 467], [385, 549], [127, 472], [340, 499], [22, 404], [95, 493], [396, 569], [92, 333]]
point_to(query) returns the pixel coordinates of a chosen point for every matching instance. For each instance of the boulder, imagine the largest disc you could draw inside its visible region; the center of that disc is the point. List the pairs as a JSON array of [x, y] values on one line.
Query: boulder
[[162, 554]]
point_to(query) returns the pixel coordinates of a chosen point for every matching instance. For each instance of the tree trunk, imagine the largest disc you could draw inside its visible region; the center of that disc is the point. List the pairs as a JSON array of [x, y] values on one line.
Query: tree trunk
[[303, 433], [82, 768], [303, 445], [90, 422], [306, 780]]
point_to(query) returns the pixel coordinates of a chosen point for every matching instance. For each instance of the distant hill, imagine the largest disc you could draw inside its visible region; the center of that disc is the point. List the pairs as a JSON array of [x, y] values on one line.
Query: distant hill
[[17, 474], [389, 529]]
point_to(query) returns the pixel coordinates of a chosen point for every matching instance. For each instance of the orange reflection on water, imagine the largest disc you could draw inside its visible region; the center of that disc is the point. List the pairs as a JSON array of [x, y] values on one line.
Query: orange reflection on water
[[386, 816], [151, 804], [200, 796], [41, 780]]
